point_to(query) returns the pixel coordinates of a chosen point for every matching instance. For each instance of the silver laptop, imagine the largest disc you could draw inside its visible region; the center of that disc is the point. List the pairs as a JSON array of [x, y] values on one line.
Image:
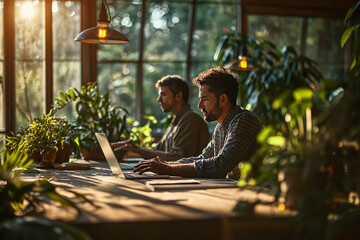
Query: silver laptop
[[114, 164]]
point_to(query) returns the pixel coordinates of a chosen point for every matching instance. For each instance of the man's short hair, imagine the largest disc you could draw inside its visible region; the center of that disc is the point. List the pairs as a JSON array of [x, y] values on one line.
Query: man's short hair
[[219, 81], [176, 84]]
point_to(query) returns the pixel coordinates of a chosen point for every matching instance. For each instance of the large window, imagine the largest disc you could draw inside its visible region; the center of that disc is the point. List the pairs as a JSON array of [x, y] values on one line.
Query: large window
[[178, 37], [29, 60], [167, 37], [66, 53], [317, 38]]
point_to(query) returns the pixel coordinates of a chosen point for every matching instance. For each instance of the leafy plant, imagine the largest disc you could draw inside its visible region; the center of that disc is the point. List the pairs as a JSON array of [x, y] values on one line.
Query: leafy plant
[[19, 199], [46, 132], [350, 31], [141, 135], [280, 70], [94, 114]]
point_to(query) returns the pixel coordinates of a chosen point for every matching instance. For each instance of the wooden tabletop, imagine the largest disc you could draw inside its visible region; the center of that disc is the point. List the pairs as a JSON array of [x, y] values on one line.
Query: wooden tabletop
[[129, 208]]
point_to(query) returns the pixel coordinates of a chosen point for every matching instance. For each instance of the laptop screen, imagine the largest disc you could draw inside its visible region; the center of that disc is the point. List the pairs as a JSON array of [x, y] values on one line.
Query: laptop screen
[[109, 154]]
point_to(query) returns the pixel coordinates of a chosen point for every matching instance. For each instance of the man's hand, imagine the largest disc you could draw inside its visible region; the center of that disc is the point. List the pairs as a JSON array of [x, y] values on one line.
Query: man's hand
[[156, 165], [124, 145]]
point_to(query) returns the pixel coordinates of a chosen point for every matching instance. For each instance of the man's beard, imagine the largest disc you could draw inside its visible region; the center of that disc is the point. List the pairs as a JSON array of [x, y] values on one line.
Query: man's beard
[[167, 108], [214, 114]]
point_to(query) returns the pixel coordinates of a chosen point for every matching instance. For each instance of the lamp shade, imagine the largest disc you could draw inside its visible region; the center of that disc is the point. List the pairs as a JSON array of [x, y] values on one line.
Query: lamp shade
[[101, 34], [242, 65]]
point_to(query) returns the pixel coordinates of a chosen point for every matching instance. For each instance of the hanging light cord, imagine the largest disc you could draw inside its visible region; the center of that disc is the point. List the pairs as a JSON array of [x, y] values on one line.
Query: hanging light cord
[[108, 9]]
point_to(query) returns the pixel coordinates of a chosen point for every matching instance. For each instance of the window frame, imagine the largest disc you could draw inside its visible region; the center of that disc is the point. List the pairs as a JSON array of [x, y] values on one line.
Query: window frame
[[89, 11]]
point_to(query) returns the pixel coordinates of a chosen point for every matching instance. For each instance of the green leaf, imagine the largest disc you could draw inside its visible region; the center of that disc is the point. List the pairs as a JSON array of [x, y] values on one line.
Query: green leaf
[[347, 33], [350, 12], [63, 96], [278, 141], [59, 101], [302, 94], [264, 133], [222, 43], [72, 94]]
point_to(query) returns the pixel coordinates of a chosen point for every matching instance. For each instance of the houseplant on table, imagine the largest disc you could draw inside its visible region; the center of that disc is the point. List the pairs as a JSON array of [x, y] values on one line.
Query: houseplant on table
[[94, 113], [45, 140]]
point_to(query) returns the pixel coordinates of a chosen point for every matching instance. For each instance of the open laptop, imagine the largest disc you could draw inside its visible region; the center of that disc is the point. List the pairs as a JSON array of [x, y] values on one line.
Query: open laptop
[[114, 164]]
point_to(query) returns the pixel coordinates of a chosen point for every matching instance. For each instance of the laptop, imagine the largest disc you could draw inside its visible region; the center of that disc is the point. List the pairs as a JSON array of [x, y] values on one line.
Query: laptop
[[114, 164]]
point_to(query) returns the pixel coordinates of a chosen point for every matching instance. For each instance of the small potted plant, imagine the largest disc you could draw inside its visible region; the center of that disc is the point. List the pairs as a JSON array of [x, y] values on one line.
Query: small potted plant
[[68, 142], [42, 136], [45, 139]]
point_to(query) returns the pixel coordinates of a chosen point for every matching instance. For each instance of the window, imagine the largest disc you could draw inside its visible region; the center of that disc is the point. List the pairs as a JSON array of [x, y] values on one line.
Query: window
[[29, 60], [167, 37], [177, 38], [66, 53], [317, 38]]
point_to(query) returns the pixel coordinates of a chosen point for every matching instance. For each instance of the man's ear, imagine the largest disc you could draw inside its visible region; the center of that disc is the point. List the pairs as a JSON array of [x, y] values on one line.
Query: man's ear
[[223, 99], [179, 96]]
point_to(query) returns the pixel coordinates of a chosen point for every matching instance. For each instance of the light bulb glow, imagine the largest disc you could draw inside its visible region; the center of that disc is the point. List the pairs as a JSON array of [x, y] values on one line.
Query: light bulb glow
[[102, 33], [243, 62], [282, 207]]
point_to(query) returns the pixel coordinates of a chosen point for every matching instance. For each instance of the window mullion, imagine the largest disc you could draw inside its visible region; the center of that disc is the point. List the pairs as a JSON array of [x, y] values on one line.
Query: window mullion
[[9, 68], [49, 95], [190, 42]]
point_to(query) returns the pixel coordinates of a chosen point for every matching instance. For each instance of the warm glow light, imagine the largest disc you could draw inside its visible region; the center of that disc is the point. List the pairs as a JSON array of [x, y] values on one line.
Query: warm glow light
[[281, 207], [27, 10], [102, 33], [243, 62]]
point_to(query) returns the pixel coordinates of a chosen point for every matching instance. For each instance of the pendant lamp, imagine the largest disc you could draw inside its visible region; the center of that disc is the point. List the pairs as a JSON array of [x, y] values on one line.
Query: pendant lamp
[[242, 64], [102, 33]]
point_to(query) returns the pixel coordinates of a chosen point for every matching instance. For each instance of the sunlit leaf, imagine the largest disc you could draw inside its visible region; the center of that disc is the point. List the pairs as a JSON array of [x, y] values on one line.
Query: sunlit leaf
[[264, 133], [276, 141], [301, 94], [347, 33]]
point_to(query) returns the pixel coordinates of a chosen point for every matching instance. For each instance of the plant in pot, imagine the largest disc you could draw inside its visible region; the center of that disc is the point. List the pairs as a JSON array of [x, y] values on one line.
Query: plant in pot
[[42, 136], [94, 113], [69, 137], [45, 139]]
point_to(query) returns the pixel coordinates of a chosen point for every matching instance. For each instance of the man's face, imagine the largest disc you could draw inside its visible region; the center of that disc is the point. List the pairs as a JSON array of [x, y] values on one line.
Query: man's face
[[166, 99], [208, 104]]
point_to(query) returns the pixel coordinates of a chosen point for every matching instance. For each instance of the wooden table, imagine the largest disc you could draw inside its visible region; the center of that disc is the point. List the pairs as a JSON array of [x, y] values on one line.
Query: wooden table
[[126, 209]]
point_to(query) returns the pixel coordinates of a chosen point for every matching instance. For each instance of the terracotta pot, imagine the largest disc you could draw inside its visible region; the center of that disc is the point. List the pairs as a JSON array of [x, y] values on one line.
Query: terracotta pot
[[47, 158], [35, 156], [63, 154]]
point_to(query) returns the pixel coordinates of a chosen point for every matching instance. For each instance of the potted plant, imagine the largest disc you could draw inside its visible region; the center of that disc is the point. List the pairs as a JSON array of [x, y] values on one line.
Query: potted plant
[[94, 113], [45, 139], [68, 141]]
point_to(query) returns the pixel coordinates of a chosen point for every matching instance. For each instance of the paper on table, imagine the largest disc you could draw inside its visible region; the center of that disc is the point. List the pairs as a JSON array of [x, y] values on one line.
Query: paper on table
[[172, 182]]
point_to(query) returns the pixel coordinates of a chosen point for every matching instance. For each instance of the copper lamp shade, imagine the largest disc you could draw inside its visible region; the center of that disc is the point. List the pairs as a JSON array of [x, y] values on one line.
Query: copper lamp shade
[[102, 33], [242, 64]]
